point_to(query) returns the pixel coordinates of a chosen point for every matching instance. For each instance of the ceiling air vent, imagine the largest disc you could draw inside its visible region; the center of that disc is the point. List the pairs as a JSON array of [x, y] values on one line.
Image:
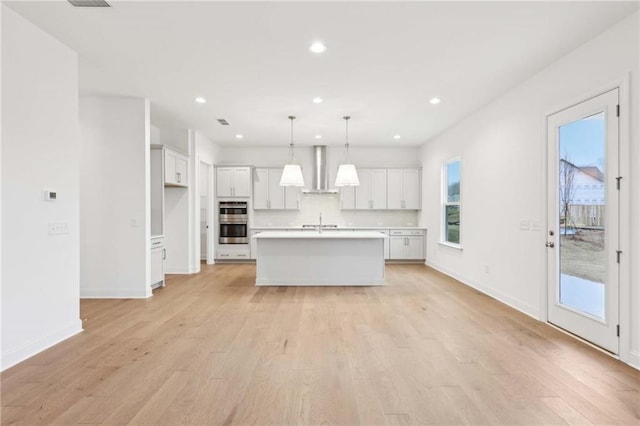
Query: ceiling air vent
[[223, 121], [89, 3]]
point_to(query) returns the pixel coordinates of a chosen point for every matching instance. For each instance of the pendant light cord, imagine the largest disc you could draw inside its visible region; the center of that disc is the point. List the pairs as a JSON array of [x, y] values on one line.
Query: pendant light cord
[[346, 119], [291, 117]]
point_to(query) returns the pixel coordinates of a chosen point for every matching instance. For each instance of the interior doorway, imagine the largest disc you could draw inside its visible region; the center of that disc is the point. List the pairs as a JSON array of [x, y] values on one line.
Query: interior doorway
[[583, 237], [205, 181]]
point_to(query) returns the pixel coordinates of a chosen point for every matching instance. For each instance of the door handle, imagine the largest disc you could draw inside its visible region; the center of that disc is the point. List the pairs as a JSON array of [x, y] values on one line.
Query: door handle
[[550, 244]]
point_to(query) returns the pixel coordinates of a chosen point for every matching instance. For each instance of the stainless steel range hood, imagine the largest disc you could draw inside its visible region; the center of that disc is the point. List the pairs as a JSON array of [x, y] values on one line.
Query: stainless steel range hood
[[320, 176]]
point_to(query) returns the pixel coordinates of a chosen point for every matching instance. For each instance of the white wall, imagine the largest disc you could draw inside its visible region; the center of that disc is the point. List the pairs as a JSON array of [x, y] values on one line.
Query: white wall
[[311, 205], [114, 196], [40, 149], [360, 156], [177, 138], [503, 172], [206, 151]]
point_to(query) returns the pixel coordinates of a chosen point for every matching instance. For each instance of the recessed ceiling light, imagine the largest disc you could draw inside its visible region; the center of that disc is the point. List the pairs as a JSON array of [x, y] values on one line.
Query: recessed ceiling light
[[396, 136], [201, 100], [317, 100], [434, 101], [238, 136], [318, 136], [317, 47]]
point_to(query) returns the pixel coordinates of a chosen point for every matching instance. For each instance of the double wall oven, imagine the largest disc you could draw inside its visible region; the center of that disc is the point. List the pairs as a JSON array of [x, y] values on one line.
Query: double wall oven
[[233, 222]]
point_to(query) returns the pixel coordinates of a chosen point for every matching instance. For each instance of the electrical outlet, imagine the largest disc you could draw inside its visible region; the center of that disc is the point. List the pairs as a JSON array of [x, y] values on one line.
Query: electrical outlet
[[58, 228], [524, 225], [486, 269]]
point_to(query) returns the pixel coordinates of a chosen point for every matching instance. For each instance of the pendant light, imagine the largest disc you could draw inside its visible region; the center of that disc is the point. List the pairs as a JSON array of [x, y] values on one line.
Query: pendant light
[[347, 174], [292, 173]]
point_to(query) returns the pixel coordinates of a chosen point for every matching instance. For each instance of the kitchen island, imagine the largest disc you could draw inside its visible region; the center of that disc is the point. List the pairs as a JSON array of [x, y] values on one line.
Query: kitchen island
[[320, 258]]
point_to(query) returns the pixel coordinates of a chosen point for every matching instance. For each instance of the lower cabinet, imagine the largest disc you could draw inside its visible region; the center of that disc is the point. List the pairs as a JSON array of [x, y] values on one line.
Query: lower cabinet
[[406, 245], [158, 256], [232, 254]]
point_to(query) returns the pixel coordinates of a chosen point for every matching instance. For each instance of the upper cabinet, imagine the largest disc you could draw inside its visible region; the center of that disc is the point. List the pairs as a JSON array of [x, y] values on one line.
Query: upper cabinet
[[403, 188], [372, 192], [268, 194], [383, 189], [233, 181], [176, 168]]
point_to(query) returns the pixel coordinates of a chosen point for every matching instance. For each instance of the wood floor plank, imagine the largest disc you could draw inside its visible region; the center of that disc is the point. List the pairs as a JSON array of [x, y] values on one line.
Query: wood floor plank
[[212, 348]]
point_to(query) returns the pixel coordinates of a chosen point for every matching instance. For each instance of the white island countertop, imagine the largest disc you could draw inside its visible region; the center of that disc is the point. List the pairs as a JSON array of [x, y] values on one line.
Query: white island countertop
[[318, 235]]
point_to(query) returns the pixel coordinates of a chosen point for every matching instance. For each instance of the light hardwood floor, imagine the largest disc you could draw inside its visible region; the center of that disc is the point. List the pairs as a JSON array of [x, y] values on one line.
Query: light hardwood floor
[[213, 349]]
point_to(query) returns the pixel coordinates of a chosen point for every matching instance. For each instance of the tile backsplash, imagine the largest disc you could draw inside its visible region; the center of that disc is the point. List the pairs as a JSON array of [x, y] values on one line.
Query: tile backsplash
[[311, 205]]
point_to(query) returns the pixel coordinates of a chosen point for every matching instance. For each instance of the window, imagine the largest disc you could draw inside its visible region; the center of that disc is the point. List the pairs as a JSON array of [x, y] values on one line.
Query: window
[[451, 207]]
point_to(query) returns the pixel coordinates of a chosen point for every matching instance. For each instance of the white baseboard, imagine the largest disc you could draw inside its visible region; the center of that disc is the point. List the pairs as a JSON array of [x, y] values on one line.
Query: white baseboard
[[114, 293], [519, 305], [16, 355], [634, 359]]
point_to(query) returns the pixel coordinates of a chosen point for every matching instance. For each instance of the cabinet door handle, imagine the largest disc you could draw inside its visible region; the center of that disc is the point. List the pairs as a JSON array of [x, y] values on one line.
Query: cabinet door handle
[[164, 254], [297, 204], [178, 177]]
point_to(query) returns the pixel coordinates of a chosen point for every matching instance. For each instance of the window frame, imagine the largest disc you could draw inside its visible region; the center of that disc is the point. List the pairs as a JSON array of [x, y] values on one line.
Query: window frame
[[444, 203]]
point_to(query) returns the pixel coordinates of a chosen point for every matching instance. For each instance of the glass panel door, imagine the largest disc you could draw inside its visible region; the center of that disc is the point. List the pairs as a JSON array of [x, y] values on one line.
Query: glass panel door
[[583, 220]]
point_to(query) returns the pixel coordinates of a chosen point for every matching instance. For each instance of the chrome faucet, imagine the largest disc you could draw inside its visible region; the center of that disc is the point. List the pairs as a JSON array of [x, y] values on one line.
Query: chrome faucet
[[320, 226]]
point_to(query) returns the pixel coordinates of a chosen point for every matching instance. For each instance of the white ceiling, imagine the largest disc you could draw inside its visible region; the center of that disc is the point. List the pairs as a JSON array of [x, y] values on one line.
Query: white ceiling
[[383, 63]]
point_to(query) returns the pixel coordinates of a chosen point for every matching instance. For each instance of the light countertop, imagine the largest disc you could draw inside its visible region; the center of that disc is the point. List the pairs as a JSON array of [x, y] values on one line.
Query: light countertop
[[323, 235], [269, 228]]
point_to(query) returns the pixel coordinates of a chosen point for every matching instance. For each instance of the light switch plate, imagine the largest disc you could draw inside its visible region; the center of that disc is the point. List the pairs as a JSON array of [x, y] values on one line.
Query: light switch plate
[[535, 225], [524, 225], [58, 228]]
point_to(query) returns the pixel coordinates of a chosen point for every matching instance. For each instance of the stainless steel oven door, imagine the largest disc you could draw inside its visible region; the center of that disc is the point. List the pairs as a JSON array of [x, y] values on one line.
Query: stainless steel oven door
[[233, 233]]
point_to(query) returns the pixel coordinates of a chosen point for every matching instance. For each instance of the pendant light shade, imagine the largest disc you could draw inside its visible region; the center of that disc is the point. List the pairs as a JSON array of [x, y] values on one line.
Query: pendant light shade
[[292, 176], [347, 174], [292, 173]]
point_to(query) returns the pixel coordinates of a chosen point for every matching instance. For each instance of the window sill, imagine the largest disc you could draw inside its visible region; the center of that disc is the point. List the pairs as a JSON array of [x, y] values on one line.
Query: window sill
[[450, 245]]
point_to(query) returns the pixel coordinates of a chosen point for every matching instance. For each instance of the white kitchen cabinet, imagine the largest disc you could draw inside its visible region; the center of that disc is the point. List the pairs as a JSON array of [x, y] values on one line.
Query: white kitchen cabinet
[[176, 168], [276, 192], [158, 256], [261, 189], [291, 197], [268, 194], [348, 197], [372, 191], [406, 244], [233, 254], [403, 189], [233, 181]]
